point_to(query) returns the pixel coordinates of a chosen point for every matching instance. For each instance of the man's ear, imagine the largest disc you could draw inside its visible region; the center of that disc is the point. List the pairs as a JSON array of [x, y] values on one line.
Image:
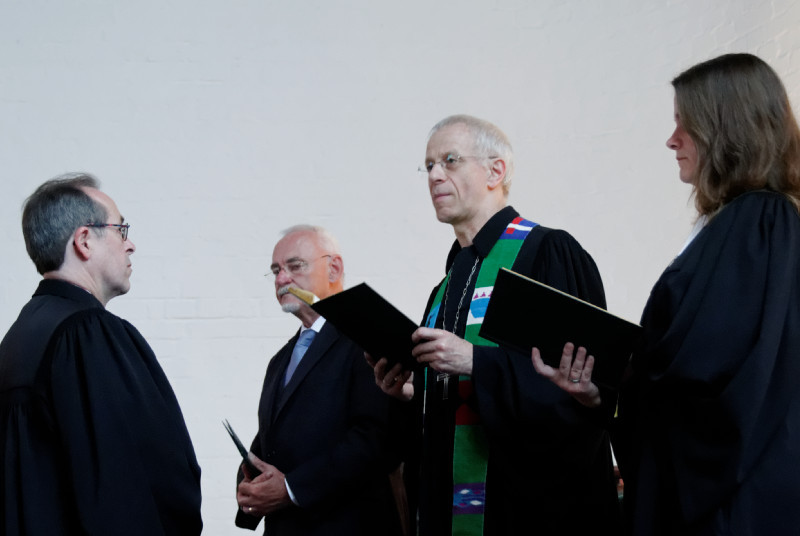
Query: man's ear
[[497, 172], [81, 243], [335, 268]]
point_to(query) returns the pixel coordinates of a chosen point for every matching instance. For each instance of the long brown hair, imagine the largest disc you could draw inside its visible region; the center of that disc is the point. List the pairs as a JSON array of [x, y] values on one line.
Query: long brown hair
[[735, 109]]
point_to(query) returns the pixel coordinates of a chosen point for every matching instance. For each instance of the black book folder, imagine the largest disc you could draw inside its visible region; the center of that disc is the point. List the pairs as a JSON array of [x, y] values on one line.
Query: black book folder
[[373, 323], [252, 470], [523, 313]]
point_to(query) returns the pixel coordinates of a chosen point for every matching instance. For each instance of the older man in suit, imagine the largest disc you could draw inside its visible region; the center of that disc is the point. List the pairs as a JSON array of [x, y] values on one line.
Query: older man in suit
[[321, 443]]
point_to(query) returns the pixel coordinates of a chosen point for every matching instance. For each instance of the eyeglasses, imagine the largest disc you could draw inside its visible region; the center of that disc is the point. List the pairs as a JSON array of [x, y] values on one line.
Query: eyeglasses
[[121, 227], [451, 162], [292, 266]]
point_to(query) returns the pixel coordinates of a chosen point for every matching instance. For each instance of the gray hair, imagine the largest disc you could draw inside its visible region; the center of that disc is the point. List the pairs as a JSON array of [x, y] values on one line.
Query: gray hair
[[489, 140], [53, 212], [327, 241]]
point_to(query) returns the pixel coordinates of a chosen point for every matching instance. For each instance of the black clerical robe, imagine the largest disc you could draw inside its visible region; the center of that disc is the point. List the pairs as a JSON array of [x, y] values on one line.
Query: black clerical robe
[[550, 469], [92, 440], [711, 420]]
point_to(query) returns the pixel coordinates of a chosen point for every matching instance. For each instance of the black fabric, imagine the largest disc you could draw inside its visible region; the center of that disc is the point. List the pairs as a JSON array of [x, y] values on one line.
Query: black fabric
[[327, 431], [550, 467], [710, 439], [92, 438]]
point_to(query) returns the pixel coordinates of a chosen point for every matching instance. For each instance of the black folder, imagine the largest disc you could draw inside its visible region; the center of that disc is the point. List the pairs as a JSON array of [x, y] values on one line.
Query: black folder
[[252, 470], [373, 323], [523, 313]]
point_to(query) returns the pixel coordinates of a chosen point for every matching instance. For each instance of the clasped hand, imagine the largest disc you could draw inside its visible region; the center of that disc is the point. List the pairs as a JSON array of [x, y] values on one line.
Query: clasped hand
[[265, 493]]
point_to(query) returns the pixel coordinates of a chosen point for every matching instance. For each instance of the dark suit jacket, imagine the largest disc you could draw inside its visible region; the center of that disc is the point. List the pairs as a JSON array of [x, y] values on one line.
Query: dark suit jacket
[[326, 431]]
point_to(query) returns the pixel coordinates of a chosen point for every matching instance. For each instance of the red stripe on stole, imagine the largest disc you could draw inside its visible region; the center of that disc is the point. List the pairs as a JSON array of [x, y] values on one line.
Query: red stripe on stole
[[515, 221], [464, 413]]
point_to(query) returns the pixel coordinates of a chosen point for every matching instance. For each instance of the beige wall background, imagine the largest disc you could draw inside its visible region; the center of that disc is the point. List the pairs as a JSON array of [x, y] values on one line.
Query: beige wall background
[[217, 124]]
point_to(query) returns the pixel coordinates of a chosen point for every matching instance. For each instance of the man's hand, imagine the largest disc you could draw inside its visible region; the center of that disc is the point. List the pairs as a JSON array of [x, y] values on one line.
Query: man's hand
[[443, 351], [572, 376], [264, 494], [395, 382]]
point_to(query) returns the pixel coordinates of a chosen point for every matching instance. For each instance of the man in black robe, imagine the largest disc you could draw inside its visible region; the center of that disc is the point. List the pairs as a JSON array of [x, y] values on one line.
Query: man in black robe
[[92, 438], [549, 467]]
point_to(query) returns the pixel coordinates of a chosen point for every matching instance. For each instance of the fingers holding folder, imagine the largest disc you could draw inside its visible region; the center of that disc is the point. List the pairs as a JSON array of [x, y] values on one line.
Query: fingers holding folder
[[396, 381]]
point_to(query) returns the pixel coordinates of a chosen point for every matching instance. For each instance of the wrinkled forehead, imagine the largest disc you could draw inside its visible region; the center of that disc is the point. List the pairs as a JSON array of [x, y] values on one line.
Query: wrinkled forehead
[[457, 138]]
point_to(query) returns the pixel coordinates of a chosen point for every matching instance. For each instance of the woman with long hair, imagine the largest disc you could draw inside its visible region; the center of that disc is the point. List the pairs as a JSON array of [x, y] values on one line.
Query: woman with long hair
[[708, 427]]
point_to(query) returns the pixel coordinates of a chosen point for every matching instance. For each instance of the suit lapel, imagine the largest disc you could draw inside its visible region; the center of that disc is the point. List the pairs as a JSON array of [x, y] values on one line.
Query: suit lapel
[[315, 353]]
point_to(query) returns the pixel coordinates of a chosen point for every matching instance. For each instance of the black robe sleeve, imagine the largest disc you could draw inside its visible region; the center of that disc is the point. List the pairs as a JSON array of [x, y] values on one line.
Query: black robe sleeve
[[502, 376], [103, 448], [544, 446], [713, 414]]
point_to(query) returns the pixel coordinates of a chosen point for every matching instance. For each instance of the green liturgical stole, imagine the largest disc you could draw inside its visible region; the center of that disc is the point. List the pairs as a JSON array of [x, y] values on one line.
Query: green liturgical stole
[[471, 449]]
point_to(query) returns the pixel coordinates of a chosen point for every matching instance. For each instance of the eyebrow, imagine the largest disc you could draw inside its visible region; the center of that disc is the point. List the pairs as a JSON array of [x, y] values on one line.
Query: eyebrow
[[442, 154], [291, 259]]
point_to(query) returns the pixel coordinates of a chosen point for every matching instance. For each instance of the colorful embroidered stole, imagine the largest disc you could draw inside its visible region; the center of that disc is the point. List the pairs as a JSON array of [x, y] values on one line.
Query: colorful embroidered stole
[[470, 449]]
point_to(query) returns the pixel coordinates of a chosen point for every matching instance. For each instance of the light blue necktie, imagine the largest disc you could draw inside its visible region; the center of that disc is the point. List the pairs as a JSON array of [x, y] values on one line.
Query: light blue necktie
[[300, 347]]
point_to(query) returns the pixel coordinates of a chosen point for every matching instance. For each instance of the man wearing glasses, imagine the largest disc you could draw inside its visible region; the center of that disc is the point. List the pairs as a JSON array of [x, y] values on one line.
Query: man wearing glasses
[[321, 442], [93, 440], [502, 452]]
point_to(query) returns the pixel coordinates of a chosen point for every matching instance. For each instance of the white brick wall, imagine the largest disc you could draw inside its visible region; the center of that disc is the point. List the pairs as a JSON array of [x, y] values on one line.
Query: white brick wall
[[215, 125]]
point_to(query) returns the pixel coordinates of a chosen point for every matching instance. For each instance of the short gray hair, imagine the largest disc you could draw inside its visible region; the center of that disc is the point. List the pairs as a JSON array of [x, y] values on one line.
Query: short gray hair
[[327, 241], [489, 140], [53, 212]]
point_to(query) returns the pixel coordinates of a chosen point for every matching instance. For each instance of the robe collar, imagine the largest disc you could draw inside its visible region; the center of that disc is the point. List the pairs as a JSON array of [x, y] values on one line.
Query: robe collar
[[65, 289], [486, 238]]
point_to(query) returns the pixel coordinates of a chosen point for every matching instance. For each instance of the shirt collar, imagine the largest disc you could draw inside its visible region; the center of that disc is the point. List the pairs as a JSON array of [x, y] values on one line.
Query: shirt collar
[[316, 326], [486, 238]]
